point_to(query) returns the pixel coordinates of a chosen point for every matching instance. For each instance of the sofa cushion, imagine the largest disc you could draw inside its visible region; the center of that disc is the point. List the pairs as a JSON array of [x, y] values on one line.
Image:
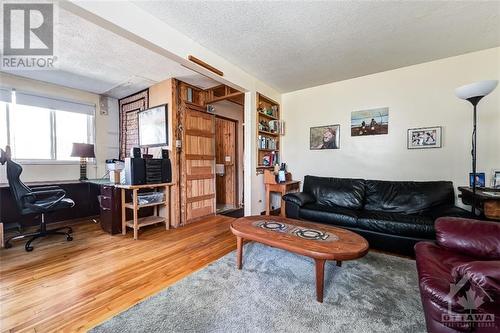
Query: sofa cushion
[[480, 239], [336, 192], [407, 197], [447, 210], [299, 198], [327, 214], [434, 265], [397, 224]]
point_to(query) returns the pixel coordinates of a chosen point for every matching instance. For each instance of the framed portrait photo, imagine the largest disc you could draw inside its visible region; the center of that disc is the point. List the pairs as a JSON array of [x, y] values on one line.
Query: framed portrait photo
[[496, 179], [425, 137], [324, 137], [480, 179]]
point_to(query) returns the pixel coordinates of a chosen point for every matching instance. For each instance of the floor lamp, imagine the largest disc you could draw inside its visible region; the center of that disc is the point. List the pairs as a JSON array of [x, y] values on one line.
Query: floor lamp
[[473, 93]]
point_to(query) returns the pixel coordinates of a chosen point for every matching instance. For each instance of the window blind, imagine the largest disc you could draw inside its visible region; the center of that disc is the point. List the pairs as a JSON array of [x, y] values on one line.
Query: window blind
[[53, 103], [5, 95]]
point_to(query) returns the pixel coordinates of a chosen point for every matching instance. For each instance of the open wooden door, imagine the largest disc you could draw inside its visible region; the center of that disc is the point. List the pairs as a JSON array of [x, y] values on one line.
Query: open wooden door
[[198, 157], [225, 154]]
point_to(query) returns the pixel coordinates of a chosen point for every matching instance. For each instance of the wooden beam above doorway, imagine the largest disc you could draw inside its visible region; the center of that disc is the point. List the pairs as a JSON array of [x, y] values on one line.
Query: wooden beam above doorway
[[223, 92]]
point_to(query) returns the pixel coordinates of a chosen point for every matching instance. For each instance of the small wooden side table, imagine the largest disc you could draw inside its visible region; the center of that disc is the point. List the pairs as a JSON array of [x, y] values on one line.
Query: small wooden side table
[[162, 208], [283, 188], [487, 200]]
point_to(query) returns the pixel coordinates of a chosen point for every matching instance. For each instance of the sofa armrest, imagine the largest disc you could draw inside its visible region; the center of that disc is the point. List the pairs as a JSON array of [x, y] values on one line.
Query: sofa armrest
[[484, 275], [299, 198], [470, 237]]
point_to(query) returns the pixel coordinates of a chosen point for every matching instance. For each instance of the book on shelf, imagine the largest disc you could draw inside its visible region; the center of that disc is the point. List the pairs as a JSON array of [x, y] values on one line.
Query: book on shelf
[[265, 142], [270, 159]]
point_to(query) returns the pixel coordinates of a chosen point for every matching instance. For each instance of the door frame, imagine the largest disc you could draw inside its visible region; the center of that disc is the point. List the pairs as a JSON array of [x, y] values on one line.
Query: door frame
[[237, 158]]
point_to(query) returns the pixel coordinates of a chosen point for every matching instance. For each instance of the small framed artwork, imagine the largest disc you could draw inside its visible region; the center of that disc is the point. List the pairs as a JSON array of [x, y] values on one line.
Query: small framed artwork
[[480, 179], [496, 179], [324, 137], [370, 122], [425, 137]]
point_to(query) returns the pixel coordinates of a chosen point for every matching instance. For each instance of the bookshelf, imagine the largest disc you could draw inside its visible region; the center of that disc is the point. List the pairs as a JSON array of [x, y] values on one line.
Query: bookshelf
[[268, 133]]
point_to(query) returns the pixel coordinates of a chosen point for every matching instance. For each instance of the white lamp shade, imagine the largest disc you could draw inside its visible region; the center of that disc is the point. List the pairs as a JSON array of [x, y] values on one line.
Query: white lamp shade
[[476, 89]]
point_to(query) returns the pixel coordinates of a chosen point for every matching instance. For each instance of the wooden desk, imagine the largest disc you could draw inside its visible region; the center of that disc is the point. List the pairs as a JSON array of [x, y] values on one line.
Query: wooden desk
[[84, 194], [488, 204], [283, 188], [162, 208]]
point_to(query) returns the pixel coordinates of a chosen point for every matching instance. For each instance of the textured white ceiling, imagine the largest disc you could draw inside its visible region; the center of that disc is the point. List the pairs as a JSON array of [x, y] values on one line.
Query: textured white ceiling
[[94, 59], [294, 45]]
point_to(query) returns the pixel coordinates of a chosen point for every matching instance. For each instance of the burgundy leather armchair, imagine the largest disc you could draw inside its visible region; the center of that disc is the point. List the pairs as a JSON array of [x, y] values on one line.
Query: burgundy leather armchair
[[459, 276]]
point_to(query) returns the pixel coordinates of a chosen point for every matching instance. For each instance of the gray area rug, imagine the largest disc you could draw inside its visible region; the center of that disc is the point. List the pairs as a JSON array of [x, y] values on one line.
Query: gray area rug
[[275, 292]]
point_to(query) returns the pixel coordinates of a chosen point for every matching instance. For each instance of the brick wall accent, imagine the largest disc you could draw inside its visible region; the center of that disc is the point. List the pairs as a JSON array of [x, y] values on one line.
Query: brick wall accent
[[129, 121]]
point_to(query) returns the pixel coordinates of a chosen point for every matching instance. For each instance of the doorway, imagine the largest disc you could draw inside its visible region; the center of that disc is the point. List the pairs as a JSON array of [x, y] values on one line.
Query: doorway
[[226, 159]]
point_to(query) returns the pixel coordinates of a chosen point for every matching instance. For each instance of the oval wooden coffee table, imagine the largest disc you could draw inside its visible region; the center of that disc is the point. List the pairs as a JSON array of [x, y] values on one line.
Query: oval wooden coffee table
[[317, 241]]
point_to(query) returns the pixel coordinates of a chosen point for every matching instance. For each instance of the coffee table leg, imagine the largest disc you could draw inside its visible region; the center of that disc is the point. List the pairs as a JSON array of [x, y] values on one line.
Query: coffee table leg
[[239, 255], [320, 278], [339, 263]]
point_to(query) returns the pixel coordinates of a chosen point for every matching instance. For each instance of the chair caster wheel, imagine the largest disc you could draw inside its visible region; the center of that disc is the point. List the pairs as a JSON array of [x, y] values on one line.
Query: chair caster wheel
[[69, 238], [28, 248], [70, 231]]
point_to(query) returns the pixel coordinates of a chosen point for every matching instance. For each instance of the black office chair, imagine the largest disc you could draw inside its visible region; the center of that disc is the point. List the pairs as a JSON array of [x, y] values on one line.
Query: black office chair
[[40, 200]]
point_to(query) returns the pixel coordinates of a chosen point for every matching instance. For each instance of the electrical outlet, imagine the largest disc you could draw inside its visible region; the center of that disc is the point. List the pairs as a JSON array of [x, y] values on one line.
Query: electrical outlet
[[178, 143]]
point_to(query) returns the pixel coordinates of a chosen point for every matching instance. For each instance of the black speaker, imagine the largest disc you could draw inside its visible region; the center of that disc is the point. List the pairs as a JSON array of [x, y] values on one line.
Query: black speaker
[[153, 170], [135, 171], [135, 152], [164, 153], [166, 170]]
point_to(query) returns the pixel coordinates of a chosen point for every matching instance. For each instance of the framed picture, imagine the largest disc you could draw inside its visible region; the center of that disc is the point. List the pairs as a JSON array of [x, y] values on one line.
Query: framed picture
[[370, 122], [153, 127], [325, 137], [496, 179], [480, 179], [425, 137]]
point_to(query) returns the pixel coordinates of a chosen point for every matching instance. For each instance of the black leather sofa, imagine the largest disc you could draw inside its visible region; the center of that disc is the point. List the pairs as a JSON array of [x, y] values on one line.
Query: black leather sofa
[[391, 215]]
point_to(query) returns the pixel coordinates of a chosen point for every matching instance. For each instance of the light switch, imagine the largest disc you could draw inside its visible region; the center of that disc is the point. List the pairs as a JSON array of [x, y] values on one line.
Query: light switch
[[227, 158]]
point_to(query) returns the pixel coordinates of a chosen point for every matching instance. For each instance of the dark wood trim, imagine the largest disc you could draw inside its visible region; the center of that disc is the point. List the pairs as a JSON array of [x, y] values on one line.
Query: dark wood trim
[[200, 133], [199, 157], [198, 177], [205, 65], [200, 198]]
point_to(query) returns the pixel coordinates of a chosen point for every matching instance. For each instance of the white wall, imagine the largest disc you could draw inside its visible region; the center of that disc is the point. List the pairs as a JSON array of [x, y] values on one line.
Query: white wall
[[106, 132], [417, 96]]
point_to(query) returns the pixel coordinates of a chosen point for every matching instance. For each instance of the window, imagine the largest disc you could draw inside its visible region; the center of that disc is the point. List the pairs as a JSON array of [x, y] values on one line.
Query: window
[[41, 128], [30, 129], [71, 127]]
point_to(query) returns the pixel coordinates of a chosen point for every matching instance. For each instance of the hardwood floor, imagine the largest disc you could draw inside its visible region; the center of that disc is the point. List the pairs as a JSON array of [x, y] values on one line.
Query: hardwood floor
[[73, 286]]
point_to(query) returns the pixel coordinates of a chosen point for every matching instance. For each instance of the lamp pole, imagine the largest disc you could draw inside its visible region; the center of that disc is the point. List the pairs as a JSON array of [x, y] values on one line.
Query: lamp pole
[[473, 93], [474, 101]]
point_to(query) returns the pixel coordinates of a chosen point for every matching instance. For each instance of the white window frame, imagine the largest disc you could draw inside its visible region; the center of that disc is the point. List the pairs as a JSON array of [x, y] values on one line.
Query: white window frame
[[91, 129]]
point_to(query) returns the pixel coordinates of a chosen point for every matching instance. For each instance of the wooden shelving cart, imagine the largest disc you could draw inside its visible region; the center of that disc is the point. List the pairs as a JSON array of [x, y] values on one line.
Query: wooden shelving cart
[[162, 208]]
